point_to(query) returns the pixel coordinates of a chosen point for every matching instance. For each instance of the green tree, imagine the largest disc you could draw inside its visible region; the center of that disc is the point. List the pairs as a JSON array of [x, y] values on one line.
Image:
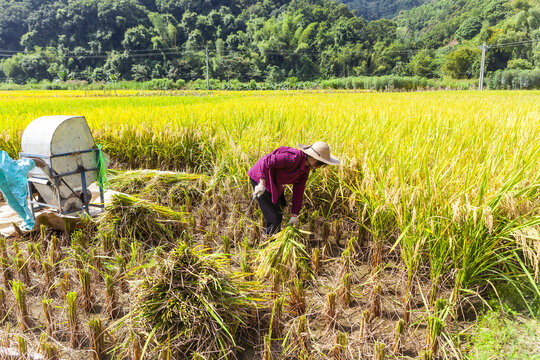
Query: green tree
[[422, 64], [521, 64], [165, 26], [385, 57], [524, 5], [382, 30], [469, 29], [347, 31], [78, 25], [118, 65], [140, 72], [205, 25], [137, 38], [535, 51], [115, 17], [12, 67], [498, 57], [459, 63], [495, 11], [12, 23], [43, 27]]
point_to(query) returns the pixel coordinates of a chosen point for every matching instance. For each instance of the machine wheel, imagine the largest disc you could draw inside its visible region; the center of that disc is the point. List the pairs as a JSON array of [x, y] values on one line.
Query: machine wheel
[[72, 203]]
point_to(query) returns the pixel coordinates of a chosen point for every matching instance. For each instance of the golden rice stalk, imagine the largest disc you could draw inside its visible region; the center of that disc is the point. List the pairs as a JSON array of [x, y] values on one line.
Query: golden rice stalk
[[426, 354], [86, 289], [364, 325], [22, 268], [47, 312], [65, 284], [48, 272], [339, 351], [111, 297], [529, 241], [331, 310], [50, 351], [375, 308], [72, 319], [226, 245], [298, 341], [337, 232], [267, 348], [3, 308], [398, 338], [55, 250], [435, 325], [19, 290], [345, 289], [286, 254], [316, 261], [22, 344], [97, 338], [34, 257], [275, 320], [379, 351], [136, 348], [297, 300], [7, 275], [121, 273]]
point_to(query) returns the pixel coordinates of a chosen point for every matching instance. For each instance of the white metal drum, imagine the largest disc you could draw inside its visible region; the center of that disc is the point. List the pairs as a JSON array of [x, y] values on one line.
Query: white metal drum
[[54, 135]]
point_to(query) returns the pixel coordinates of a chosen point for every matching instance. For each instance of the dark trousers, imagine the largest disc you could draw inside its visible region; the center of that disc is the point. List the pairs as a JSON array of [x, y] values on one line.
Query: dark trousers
[[272, 213]]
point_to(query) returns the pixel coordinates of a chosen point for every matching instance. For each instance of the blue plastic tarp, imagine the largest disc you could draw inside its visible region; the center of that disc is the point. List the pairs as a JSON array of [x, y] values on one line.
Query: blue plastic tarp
[[13, 185]]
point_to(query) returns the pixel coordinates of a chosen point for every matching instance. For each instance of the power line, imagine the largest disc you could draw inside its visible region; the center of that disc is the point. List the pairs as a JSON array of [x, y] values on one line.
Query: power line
[[513, 44], [177, 51]]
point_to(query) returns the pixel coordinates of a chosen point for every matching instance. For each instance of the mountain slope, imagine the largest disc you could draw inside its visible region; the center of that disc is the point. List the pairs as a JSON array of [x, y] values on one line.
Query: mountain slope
[[378, 9], [437, 21], [262, 40]]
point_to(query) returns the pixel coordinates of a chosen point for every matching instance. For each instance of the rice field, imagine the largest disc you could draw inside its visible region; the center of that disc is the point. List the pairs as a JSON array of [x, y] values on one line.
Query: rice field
[[433, 212]]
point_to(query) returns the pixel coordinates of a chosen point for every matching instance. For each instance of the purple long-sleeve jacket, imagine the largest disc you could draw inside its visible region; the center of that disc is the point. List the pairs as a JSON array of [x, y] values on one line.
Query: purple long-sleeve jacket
[[282, 166]]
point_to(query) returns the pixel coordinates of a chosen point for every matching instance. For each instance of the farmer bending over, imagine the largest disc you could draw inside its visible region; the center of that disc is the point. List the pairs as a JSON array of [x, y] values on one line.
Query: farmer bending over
[[282, 166]]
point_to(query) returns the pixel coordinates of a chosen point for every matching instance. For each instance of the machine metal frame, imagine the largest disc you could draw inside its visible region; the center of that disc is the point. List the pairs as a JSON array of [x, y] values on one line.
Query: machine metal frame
[[57, 178]]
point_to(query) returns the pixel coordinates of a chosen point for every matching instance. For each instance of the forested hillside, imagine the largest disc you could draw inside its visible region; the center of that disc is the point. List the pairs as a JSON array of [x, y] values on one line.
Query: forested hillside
[[97, 40], [378, 9]]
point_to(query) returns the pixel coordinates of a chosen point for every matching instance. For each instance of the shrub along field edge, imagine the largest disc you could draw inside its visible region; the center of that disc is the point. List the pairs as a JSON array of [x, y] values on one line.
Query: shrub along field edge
[[376, 83]]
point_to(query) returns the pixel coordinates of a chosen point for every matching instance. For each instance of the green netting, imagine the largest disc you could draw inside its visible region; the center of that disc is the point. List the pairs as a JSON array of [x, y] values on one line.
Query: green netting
[[102, 169]]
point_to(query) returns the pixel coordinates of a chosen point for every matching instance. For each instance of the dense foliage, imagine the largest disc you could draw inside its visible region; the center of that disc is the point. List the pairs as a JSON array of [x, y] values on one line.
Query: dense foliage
[[377, 9], [272, 41]]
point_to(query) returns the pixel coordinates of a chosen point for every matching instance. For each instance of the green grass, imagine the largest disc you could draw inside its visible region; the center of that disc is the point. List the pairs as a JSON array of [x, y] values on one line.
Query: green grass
[[503, 336]]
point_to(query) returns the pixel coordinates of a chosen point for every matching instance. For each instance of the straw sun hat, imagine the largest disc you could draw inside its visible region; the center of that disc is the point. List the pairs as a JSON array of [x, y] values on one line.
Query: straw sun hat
[[320, 151]]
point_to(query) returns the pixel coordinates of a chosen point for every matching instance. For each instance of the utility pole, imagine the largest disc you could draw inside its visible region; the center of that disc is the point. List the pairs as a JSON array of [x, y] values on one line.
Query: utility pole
[[207, 77], [481, 83]]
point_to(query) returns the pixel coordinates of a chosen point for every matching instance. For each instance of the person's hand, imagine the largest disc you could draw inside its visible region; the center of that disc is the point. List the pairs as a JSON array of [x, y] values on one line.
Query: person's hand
[[259, 190], [293, 220]]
